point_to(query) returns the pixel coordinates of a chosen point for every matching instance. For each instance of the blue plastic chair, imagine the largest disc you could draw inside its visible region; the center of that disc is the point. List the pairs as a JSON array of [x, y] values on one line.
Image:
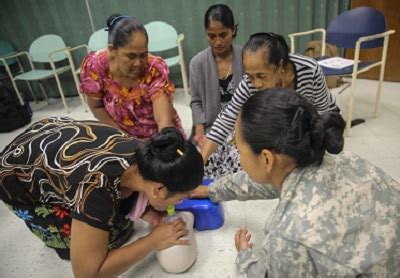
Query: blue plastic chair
[[97, 41], [359, 28], [47, 49], [163, 37]]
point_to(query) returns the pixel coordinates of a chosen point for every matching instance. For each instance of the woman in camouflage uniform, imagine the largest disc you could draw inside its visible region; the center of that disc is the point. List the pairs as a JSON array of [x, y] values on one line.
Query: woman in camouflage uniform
[[338, 215]]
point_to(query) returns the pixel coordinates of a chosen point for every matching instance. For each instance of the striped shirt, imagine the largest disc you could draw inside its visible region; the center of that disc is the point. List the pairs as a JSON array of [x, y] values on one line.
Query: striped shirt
[[309, 82]]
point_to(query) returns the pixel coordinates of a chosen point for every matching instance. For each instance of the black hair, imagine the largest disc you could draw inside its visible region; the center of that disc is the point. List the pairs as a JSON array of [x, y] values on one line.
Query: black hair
[[275, 45], [169, 159], [285, 122], [223, 14], [121, 27]]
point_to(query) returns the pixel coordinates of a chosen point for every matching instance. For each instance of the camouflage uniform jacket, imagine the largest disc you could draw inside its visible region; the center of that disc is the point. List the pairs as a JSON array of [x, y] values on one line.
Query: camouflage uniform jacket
[[341, 218]]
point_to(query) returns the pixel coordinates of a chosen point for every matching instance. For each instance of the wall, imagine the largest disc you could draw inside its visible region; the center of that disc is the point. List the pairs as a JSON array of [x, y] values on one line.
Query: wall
[[22, 21]]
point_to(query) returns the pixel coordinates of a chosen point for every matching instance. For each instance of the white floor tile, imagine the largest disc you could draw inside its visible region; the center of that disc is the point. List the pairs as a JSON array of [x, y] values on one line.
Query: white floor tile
[[23, 255]]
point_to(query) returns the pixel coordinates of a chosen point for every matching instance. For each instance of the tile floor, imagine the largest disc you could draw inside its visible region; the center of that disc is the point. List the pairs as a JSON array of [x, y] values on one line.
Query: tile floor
[[23, 255]]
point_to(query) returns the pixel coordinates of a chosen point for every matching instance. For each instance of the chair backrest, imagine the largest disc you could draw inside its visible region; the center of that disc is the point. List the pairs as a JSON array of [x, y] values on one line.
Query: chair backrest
[[6, 48], [98, 40], [162, 36], [40, 48], [345, 29]]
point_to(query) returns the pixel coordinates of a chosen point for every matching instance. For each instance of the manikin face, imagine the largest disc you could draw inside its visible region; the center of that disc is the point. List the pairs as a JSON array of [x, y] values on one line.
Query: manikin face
[[219, 37], [132, 57], [262, 76]]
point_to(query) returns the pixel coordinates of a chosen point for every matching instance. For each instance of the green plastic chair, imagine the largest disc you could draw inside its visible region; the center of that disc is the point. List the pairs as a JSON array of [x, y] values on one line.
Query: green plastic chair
[[6, 49], [46, 49], [163, 37], [97, 41]]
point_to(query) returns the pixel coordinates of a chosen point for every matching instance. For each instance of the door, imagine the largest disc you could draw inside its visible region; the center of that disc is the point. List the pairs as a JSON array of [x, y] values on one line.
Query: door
[[391, 11]]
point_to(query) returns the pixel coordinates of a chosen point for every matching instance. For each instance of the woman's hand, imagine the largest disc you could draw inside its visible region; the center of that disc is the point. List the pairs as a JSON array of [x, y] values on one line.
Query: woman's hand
[[200, 192], [152, 216], [168, 234], [242, 239], [200, 139]]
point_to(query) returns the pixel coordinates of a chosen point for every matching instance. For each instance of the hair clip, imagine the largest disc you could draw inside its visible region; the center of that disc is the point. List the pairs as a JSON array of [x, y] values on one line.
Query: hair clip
[[179, 152]]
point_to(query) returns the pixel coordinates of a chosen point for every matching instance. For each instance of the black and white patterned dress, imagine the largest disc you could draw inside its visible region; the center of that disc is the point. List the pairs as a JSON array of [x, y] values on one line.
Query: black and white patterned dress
[[225, 160], [59, 169]]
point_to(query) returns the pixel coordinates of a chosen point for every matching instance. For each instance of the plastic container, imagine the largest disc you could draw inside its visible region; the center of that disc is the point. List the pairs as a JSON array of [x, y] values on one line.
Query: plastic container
[[207, 215], [179, 258]]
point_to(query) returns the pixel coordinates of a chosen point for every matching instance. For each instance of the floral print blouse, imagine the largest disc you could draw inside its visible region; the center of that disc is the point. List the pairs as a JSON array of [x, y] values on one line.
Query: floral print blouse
[[131, 108]]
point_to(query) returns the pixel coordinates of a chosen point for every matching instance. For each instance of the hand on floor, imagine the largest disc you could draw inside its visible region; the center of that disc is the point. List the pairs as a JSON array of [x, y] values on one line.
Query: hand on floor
[[242, 239]]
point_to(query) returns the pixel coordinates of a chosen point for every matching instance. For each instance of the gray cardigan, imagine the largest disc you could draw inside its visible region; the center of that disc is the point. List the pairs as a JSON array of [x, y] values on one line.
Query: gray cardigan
[[204, 85]]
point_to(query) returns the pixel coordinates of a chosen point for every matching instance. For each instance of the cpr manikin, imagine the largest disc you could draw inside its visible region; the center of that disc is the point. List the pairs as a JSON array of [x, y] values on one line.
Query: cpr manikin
[[179, 258]]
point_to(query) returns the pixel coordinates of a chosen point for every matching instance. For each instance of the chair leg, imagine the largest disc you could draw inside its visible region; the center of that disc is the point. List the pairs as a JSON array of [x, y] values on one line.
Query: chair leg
[[43, 92], [185, 81], [76, 80], [61, 92], [378, 96], [21, 100], [351, 102], [30, 88], [79, 94], [31, 91], [381, 75], [183, 72]]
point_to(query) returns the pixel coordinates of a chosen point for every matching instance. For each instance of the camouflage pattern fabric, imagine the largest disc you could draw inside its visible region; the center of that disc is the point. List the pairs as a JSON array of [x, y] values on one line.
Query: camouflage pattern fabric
[[339, 219]]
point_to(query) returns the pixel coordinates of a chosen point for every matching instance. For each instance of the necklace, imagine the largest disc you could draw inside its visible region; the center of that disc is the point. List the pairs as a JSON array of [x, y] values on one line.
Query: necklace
[[228, 73]]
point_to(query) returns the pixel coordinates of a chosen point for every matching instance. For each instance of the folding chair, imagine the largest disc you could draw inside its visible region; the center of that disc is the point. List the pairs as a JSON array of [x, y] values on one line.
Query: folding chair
[[163, 37], [47, 49], [359, 28], [6, 50], [98, 40]]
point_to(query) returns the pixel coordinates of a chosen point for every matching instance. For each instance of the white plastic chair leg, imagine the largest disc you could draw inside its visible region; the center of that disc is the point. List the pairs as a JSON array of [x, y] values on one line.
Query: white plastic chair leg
[[76, 80], [31, 91], [185, 81], [77, 89], [61, 92], [21, 100], [351, 103], [378, 94], [381, 75], [44, 92]]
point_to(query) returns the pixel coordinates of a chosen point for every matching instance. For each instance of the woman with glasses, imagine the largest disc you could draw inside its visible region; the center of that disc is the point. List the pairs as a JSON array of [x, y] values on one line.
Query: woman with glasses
[[74, 182], [268, 64], [215, 73], [127, 87], [338, 215]]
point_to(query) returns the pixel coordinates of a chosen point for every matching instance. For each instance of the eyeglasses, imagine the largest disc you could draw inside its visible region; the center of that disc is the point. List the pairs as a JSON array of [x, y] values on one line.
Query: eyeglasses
[[263, 35]]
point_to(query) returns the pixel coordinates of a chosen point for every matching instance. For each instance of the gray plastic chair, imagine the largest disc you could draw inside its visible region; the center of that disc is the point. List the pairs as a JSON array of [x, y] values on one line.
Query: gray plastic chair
[[163, 37], [45, 49]]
